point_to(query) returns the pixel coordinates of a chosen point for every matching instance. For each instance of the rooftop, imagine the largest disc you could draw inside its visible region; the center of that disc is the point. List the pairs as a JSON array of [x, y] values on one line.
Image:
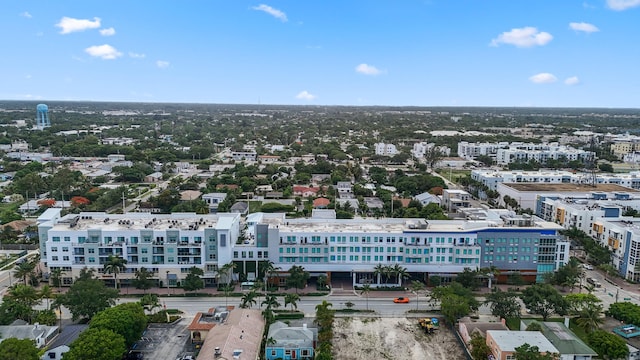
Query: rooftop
[[540, 187], [239, 337], [509, 340]]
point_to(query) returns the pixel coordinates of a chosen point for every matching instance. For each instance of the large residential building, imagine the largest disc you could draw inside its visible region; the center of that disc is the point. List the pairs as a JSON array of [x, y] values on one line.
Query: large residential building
[[491, 178], [169, 245], [385, 149], [505, 153]]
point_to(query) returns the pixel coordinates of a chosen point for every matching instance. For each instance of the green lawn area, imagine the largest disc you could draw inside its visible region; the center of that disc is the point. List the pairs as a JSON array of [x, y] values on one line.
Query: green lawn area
[[455, 174]]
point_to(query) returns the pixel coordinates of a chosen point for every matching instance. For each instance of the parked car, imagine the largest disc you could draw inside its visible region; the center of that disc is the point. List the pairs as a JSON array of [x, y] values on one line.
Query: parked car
[[401, 300], [587, 266]]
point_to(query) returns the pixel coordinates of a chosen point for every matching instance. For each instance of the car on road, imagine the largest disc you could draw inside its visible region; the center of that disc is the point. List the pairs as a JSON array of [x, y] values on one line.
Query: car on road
[[587, 266], [401, 300]]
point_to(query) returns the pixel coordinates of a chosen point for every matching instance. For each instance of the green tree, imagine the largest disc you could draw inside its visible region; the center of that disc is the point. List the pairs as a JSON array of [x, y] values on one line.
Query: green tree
[[97, 344], [24, 270], [589, 318], [298, 277], [87, 297], [115, 265], [365, 290], [193, 281], [609, 346], [143, 279], [46, 293], [150, 302], [528, 352], [18, 349], [127, 320], [271, 302], [56, 277], [469, 279], [291, 299], [417, 287], [577, 302], [479, 348], [544, 300], [504, 304], [248, 299]]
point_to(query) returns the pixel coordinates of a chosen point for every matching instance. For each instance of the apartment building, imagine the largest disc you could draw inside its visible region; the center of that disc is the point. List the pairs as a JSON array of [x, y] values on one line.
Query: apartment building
[[385, 149], [505, 153], [169, 245], [491, 178]]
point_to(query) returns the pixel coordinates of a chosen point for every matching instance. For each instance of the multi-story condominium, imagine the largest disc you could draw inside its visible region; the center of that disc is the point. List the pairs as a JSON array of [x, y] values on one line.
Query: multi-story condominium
[[385, 149], [580, 213], [491, 178], [169, 245], [622, 237], [419, 149], [505, 153], [244, 155], [470, 151]]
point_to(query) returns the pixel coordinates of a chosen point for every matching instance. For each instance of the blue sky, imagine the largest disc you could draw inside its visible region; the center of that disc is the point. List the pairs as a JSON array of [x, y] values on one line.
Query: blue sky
[[559, 53]]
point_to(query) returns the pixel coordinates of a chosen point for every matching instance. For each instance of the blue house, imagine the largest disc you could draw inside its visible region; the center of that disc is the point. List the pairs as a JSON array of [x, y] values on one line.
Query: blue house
[[288, 343]]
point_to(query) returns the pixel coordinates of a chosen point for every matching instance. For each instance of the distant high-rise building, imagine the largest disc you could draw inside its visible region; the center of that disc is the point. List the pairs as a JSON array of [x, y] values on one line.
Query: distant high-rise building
[[42, 116]]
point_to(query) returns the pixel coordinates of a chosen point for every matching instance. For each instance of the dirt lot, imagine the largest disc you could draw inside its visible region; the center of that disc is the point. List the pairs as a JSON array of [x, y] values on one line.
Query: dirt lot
[[391, 339]]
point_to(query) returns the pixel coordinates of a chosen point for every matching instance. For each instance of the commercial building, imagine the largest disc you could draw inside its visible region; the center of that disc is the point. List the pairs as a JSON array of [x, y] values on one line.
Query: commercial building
[[169, 245]]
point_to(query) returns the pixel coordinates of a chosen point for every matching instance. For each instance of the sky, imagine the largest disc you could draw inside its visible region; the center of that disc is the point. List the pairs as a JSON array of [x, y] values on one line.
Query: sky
[[516, 53]]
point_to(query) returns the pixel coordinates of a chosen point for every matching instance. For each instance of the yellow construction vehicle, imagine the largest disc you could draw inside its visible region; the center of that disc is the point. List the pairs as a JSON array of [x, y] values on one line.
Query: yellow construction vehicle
[[426, 325]]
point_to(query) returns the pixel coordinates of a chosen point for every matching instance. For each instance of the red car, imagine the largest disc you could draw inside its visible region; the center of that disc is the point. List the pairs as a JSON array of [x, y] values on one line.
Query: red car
[[401, 300]]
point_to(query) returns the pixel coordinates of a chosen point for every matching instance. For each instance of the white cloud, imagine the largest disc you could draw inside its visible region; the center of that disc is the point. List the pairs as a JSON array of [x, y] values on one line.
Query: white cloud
[[108, 32], [26, 14], [620, 5], [106, 52], [271, 11], [583, 26], [543, 78], [574, 80], [162, 64], [136, 55], [523, 37], [69, 25], [367, 69], [305, 95]]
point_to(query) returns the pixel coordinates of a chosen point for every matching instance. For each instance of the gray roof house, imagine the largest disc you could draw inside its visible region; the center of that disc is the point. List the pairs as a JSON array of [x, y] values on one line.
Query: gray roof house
[[41, 334], [426, 198], [568, 344], [290, 342]]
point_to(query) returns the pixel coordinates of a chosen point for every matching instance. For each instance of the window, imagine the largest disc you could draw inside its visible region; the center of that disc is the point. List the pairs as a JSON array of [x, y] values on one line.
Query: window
[[54, 248]]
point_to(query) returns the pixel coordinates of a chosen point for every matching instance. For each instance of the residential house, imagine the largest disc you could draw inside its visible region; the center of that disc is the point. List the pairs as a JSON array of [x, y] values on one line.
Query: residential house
[[290, 342], [305, 191], [239, 337], [453, 199], [503, 343], [153, 177], [568, 344], [427, 198], [213, 200], [40, 334]]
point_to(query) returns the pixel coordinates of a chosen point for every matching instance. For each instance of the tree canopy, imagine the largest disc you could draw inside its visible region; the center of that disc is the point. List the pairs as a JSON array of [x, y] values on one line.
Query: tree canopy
[[97, 344], [22, 349], [86, 297], [127, 320]]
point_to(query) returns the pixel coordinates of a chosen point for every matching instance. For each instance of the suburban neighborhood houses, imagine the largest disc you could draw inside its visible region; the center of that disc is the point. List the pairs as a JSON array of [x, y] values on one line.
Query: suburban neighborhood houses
[[272, 234]]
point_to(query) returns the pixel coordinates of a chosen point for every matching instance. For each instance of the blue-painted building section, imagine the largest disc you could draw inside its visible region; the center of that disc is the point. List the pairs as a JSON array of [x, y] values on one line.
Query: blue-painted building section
[[290, 342], [624, 264]]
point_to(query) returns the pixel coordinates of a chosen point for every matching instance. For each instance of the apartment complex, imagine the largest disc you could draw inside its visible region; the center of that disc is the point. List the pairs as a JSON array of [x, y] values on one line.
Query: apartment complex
[[491, 178], [169, 245], [505, 153]]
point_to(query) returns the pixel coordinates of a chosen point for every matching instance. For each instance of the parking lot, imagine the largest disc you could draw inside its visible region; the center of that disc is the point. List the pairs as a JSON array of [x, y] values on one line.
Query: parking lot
[[164, 341]]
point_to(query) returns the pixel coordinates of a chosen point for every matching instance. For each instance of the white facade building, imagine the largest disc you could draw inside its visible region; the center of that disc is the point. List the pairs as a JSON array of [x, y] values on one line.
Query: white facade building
[[385, 149], [491, 178]]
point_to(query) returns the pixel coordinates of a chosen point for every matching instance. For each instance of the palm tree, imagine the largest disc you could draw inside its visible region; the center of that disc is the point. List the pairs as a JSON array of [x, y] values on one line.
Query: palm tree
[[46, 293], [227, 270], [150, 302], [56, 277], [322, 282], [291, 299], [366, 289], [271, 302], [115, 265], [248, 299], [24, 270], [417, 287], [270, 270], [589, 317], [379, 271], [401, 273], [227, 289]]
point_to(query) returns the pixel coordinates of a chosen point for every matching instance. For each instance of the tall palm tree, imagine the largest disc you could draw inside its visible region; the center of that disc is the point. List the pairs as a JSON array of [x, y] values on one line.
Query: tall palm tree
[[378, 271], [227, 270], [291, 299], [270, 270], [46, 293], [24, 270], [271, 302], [56, 277], [248, 299], [150, 302], [401, 273], [115, 265], [589, 317], [366, 289]]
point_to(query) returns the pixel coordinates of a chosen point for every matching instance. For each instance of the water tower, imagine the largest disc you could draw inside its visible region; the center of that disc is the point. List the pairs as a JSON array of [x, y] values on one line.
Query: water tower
[[42, 116]]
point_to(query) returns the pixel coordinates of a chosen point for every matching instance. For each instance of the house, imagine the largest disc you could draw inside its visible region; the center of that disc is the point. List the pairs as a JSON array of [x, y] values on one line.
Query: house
[[240, 208], [153, 177], [467, 327], [60, 344], [321, 203], [503, 343], [568, 344], [202, 323], [239, 337], [453, 199], [344, 187], [427, 198], [289, 342], [268, 159], [40, 334], [213, 200], [189, 195], [305, 191], [374, 203]]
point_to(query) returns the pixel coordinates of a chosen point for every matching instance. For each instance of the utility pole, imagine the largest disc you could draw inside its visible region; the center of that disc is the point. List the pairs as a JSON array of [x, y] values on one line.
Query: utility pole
[[123, 203]]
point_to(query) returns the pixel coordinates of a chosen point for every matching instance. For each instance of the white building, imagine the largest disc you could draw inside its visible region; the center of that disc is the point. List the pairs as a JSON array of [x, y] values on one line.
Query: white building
[[419, 149], [505, 153], [491, 178], [470, 151], [453, 199], [385, 149]]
